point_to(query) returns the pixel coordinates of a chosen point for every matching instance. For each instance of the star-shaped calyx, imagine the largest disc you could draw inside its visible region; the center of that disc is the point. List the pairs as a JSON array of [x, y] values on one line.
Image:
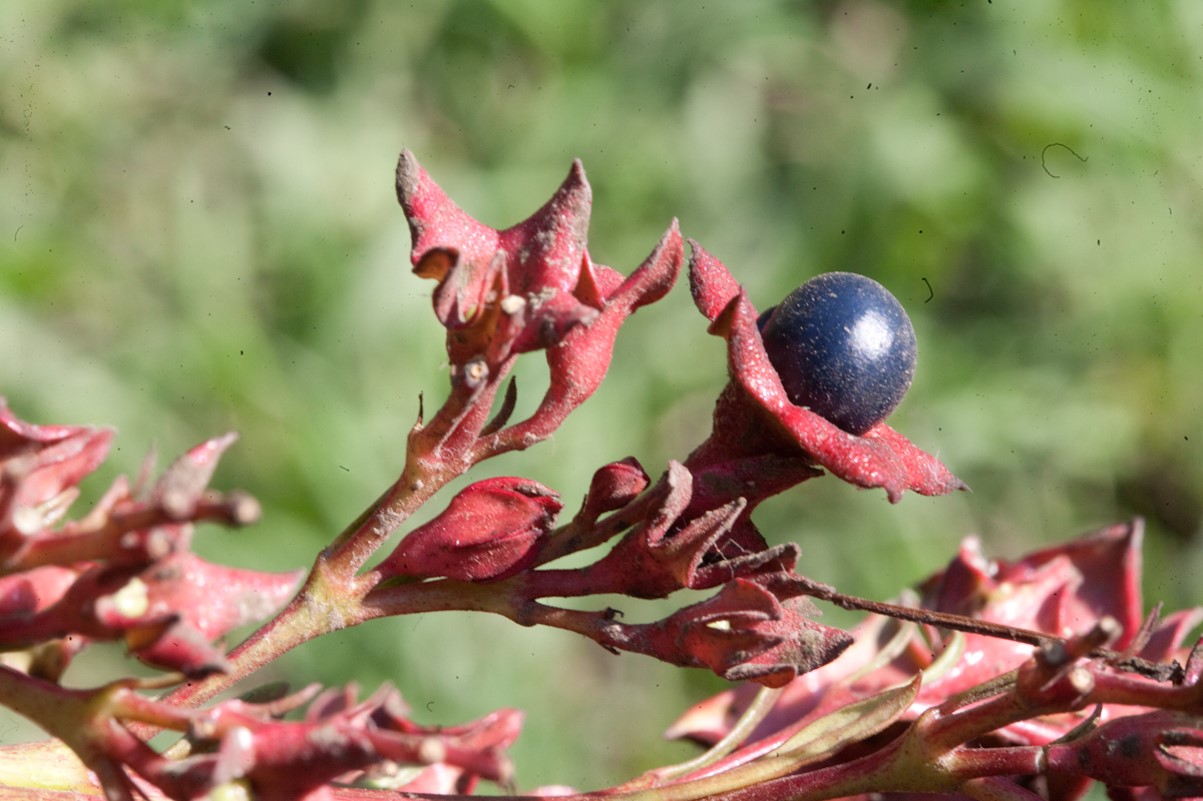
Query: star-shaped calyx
[[501, 291], [529, 287], [754, 415]]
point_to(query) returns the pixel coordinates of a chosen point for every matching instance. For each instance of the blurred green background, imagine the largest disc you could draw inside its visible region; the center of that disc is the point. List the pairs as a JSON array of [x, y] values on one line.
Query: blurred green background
[[198, 233]]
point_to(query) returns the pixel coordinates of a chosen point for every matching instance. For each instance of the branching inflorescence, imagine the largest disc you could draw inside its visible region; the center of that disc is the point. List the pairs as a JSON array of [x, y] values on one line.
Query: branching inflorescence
[[1007, 680]]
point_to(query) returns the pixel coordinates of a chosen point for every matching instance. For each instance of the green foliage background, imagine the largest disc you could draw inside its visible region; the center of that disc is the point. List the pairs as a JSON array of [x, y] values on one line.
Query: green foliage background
[[198, 233]]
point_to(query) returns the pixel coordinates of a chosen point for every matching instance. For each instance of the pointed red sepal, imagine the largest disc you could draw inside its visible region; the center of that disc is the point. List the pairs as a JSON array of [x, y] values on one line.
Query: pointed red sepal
[[745, 633], [42, 466]]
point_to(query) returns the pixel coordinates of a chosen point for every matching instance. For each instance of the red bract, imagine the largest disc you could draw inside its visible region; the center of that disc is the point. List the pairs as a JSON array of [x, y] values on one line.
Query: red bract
[[171, 612], [1060, 591], [288, 760], [755, 416], [490, 531], [42, 466], [26, 594], [368, 743], [18, 437], [1103, 578]]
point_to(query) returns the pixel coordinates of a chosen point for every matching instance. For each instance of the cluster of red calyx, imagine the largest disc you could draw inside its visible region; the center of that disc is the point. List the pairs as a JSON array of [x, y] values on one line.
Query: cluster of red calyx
[[910, 708], [370, 744], [1096, 693], [124, 571], [534, 287]]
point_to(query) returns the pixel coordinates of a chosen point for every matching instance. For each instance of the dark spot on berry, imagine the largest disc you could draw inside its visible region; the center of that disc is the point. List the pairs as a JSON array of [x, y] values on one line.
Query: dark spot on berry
[[844, 348]]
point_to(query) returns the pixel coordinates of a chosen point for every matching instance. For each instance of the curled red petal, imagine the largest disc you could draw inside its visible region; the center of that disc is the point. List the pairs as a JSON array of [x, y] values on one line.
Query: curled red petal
[[1166, 641], [32, 591], [437, 224], [579, 362], [544, 252], [710, 282], [500, 292], [54, 468], [212, 598], [651, 562], [18, 437]]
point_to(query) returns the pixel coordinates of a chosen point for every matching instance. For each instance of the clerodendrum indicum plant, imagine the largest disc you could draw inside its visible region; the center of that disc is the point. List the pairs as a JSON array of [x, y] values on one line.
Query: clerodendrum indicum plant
[[993, 680]]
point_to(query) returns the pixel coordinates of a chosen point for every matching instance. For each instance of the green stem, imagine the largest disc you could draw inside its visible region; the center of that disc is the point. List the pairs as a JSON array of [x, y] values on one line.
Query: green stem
[[331, 598], [77, 718], [322, 606], [356, 544]]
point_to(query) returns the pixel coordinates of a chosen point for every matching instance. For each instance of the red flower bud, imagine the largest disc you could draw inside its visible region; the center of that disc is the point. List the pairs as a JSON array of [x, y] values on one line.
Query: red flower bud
[[613, 487], [489, 531]]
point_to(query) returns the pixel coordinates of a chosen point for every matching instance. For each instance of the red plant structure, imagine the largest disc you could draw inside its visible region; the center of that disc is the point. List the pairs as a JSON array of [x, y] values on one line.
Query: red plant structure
[[1036, 678]]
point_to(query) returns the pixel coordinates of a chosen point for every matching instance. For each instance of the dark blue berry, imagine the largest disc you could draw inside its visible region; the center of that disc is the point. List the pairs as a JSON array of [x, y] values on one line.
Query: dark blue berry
[[843, 347]]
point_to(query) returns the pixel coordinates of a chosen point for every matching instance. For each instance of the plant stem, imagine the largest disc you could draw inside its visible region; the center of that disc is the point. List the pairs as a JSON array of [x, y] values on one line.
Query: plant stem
[[825, 592], [356, 544], [1173, 673], [322, 606]]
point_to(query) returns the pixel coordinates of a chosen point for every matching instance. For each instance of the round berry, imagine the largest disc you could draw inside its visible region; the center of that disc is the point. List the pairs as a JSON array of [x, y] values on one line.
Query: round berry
[[843, 347]]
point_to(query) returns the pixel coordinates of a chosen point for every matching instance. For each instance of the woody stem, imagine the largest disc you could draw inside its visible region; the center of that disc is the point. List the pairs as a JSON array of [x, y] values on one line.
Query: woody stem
[[968, 625]]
